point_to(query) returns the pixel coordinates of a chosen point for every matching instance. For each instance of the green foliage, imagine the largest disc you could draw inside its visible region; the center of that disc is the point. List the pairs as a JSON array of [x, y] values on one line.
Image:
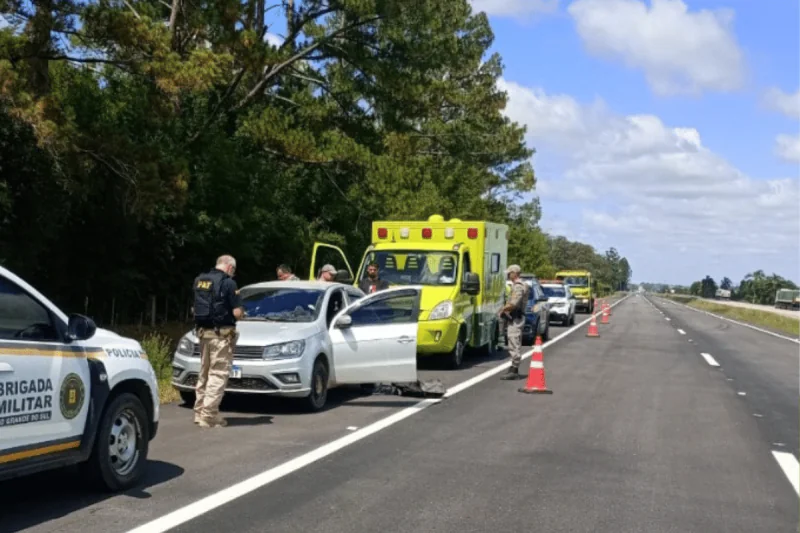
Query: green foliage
[[140, 140]]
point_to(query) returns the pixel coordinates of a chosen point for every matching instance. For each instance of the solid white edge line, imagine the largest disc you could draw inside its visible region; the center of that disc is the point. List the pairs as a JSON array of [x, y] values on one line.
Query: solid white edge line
[[219, 498], [790, 467], [768, 332], [681, 332], [709, 359]]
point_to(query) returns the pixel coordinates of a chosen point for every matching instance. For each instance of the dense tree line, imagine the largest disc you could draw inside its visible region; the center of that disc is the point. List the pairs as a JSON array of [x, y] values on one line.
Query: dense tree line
[[756, 287], [140, 139]]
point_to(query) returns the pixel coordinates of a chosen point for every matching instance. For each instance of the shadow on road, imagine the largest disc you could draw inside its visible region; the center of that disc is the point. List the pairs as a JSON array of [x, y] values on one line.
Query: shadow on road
[[33, 500]]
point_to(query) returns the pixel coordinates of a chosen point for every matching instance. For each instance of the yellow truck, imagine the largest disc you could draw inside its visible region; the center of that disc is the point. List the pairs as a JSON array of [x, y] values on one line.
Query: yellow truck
[[461, 268], [581, 285]]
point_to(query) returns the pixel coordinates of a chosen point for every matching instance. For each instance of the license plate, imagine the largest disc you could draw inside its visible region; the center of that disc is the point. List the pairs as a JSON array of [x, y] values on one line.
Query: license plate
[[236, 372]]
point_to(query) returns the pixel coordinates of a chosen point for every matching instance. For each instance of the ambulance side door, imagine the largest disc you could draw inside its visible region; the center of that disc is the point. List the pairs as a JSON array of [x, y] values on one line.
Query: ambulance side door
[[44, 380]]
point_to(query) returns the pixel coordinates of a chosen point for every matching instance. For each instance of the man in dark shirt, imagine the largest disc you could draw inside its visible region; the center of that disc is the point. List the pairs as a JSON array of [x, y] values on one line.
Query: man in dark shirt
[[372, 283], [217, 308]]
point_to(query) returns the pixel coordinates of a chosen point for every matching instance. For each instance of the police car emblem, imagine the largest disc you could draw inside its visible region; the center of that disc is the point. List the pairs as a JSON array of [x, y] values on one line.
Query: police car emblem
[[72, 396]]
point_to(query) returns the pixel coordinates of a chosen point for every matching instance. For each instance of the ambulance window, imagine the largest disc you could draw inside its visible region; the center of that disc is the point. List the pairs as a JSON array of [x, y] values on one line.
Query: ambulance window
[[467, 263], [495, 263], [23, 317]]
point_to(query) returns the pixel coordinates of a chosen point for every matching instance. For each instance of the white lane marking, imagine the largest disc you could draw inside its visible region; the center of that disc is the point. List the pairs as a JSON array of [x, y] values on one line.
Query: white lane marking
[[681, 332], [217, 499], [668, 319], [758, 415], [740, 393], [710, 360], [352, 428], [790, 467], [792, 339]]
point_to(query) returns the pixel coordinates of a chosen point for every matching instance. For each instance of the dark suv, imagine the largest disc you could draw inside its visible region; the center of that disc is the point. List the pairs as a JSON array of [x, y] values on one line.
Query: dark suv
[[537, 313]]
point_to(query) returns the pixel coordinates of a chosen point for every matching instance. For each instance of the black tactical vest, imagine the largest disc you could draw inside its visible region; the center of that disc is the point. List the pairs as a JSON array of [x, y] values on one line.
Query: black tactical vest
[[209, 303]]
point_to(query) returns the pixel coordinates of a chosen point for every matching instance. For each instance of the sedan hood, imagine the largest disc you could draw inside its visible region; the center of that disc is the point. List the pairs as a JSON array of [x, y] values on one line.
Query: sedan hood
[[557, 300], [262, 333]]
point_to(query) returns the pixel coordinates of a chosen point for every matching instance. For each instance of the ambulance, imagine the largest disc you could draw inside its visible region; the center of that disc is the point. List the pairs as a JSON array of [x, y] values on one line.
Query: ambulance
[[71, 393], [461, 268], [582, 286]]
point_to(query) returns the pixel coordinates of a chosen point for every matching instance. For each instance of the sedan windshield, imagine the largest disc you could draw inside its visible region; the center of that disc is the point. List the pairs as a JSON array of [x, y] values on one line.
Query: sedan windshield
[[282, 304], [577, 281], [554, 292], [414, 267]]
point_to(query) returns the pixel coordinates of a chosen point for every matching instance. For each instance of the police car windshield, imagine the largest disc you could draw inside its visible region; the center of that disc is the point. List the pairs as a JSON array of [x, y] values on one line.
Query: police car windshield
[[554, 292], [282, 304], [413, 267]]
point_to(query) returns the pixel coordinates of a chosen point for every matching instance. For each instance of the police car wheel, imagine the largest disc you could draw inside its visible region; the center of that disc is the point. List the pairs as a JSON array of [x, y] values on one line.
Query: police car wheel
[[120, 450], [315, 401]]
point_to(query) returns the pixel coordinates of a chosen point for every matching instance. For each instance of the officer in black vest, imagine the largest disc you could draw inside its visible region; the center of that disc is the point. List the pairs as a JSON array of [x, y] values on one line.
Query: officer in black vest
[[217, 307]]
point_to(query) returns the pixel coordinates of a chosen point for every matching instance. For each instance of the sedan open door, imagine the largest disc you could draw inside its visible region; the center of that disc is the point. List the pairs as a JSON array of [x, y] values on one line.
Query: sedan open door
[[375, 338]]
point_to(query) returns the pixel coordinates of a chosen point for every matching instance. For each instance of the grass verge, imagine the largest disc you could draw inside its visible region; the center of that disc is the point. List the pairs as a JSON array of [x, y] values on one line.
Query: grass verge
[[763, 319], [159, 348]]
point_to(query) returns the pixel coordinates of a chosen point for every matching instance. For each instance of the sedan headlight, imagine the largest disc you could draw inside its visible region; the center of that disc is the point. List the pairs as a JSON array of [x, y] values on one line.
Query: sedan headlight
[[185, 347], [443, 310], [285, 350]]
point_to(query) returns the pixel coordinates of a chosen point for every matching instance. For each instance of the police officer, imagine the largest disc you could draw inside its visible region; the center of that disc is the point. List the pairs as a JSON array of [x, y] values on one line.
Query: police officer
[[285, 273], [514, 311], [503, 319], [217, 307]]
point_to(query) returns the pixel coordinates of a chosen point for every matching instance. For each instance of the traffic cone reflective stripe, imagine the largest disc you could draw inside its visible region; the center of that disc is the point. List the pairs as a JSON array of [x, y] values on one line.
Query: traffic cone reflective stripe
[[593, 332], [536, 381], [604, 319]]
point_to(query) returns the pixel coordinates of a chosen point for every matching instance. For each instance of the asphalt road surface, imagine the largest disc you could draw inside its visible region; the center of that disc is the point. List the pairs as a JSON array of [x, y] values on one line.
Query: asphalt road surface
[[641, 434]]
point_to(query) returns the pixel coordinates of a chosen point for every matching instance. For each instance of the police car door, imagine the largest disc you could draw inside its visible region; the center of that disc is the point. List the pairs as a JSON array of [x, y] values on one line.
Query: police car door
[[375, 338], [43, 380]]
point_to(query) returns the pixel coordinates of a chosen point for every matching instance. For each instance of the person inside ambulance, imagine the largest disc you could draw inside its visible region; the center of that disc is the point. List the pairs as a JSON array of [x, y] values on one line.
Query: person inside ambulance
[[373, 282]]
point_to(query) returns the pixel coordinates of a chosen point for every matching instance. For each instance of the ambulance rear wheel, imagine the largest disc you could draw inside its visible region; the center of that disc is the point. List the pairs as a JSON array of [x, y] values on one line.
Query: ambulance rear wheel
[[119, 456]]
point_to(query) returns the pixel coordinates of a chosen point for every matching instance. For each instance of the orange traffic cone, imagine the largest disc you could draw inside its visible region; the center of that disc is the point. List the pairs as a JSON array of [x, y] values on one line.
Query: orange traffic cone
[[608, 306], [536, 383], [604, 319], [593, 328]]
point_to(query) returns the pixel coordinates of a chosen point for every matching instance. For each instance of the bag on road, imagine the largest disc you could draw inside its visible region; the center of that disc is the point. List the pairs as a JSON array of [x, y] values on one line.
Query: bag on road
[[431, 388]]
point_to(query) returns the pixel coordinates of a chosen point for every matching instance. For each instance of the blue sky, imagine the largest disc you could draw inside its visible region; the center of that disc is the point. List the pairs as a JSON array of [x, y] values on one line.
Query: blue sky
[[665, 128]]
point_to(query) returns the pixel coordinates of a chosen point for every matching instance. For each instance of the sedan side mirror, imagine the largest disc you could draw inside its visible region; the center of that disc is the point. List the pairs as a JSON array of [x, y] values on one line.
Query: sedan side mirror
[[344, 322], [80, 328]]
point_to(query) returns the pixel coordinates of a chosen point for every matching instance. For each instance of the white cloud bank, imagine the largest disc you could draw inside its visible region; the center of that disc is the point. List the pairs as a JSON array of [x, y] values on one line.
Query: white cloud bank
[[787, 147], [655, 191], [514, 8], [680, 52]]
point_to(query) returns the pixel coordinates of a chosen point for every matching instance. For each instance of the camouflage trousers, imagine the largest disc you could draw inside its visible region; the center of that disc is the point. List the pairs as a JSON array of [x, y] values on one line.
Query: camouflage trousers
[[216, 353], [514, 337]]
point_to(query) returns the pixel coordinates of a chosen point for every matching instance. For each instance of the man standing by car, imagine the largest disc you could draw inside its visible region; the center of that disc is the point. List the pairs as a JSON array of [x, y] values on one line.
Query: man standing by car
[[372, 283], [514, 310], [217, 307], [285, 273], [327, 273]]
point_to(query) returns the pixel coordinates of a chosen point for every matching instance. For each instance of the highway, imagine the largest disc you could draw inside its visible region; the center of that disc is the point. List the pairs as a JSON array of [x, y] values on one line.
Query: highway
[[644, 432]]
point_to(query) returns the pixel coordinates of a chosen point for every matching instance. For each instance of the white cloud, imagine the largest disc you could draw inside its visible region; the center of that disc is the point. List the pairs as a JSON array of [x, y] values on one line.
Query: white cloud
[[273, 39], [680, 52], [787, 104], [655, 191], [788, 147], [511, 8]]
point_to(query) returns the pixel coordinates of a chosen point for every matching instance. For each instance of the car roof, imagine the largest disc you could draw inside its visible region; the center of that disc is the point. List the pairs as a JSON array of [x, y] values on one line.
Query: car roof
[[305, 285]]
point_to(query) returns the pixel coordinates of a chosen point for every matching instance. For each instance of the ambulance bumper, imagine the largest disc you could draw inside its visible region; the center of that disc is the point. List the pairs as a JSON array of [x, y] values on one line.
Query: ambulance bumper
[[437, 336]]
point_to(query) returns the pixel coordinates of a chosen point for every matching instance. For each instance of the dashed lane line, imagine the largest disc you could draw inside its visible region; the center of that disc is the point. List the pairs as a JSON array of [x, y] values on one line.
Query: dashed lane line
[[220, 498], [790, 467], [709, 359]]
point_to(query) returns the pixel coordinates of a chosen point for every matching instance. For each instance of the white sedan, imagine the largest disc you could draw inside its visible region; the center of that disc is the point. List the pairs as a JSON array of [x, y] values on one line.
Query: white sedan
[[562, 303], [299, 339]]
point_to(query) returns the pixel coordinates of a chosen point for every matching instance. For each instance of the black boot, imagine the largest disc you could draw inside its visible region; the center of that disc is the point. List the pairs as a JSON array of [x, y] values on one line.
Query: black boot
[[511, 374]]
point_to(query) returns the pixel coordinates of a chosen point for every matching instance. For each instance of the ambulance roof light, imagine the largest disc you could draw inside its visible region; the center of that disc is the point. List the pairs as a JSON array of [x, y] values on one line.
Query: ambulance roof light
[[449, 233], [383, 233], [472, 233], [427, 233]]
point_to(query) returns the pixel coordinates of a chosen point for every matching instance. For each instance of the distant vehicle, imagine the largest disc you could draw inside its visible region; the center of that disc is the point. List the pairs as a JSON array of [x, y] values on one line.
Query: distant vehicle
[[298, 339], [722, 294], [562, 301], [582, 286], [787, 299]]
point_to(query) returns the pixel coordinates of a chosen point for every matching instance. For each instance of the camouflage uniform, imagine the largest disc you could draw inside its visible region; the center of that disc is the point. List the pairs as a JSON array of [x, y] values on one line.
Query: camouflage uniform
[[517, 302]]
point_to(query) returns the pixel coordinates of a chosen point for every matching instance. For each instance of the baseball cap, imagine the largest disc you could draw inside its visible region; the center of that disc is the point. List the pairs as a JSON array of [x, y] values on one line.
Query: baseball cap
[[513, 268], [329, 268]]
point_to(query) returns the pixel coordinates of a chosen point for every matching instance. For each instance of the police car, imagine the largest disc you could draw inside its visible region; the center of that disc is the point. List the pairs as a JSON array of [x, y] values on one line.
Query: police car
[[70, 393]]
